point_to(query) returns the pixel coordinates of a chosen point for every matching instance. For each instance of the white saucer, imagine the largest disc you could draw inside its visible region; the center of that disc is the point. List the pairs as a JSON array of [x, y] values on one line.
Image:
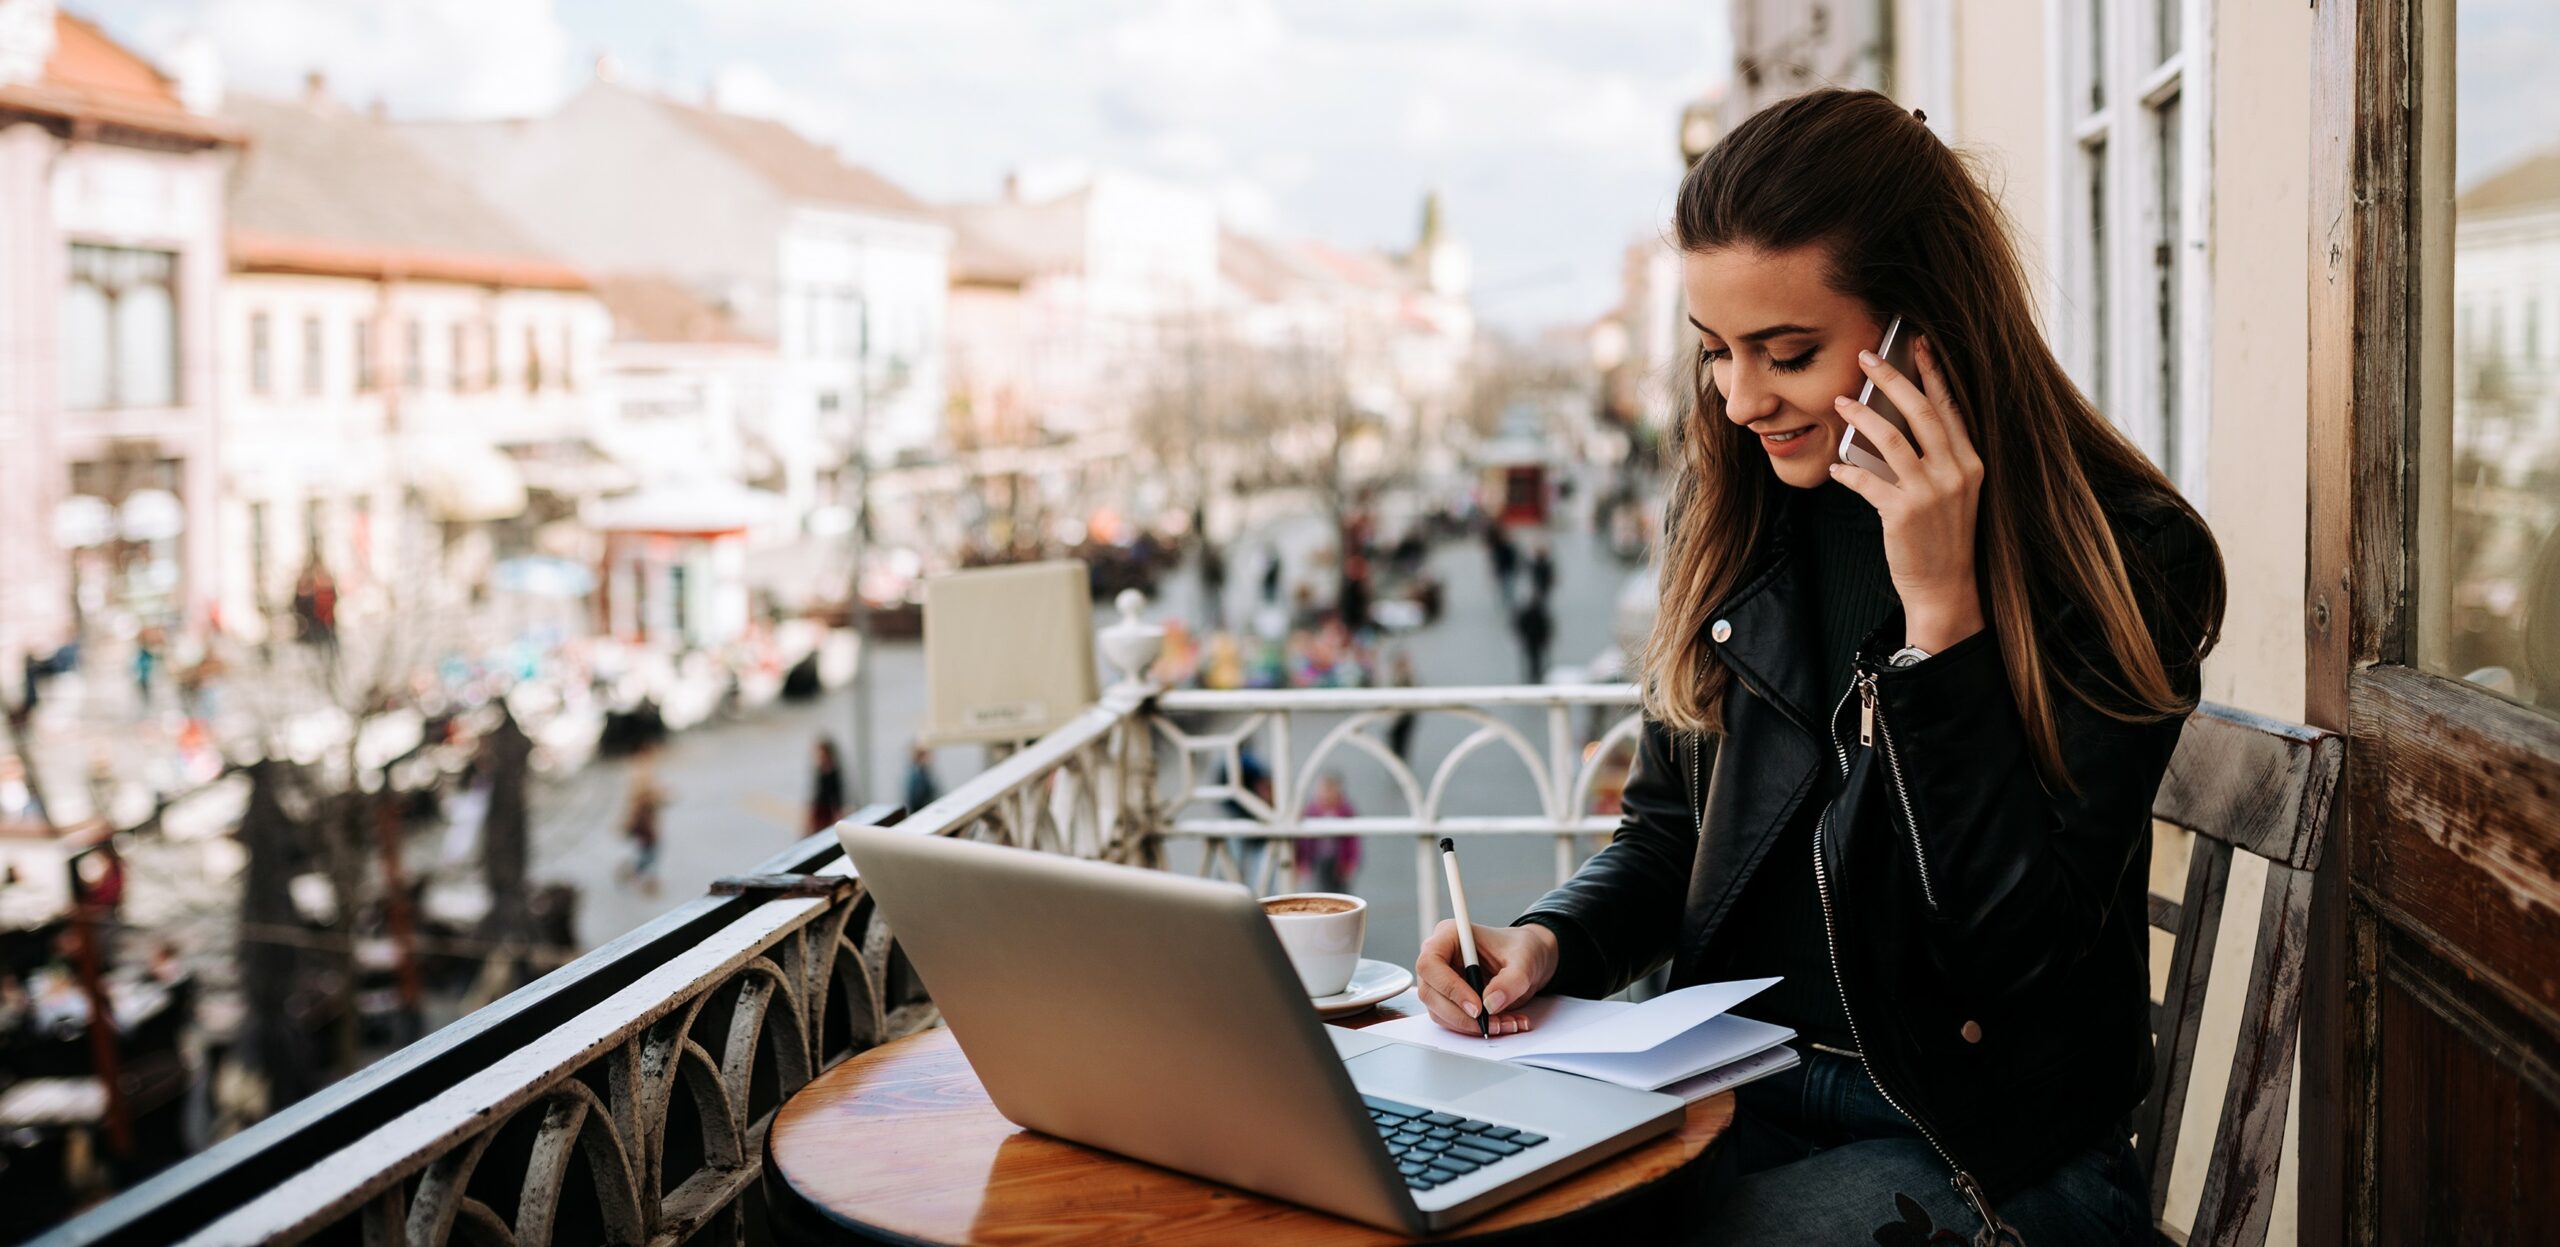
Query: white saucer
[[1371, 983]]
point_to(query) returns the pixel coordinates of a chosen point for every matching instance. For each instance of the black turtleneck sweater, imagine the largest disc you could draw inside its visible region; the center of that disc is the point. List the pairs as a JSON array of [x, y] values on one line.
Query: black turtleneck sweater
[[1776, 925]]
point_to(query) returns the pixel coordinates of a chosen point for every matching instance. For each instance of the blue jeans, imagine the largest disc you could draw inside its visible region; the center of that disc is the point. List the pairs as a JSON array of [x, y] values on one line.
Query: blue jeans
[[1815, 1155]]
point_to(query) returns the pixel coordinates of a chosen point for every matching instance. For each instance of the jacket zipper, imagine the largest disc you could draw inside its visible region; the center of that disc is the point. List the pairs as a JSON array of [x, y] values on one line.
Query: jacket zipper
[[1963, 1182], [1871, 725]]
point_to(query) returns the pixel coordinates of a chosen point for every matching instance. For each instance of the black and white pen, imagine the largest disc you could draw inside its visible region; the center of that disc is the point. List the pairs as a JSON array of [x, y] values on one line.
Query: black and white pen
[[1466, 934]]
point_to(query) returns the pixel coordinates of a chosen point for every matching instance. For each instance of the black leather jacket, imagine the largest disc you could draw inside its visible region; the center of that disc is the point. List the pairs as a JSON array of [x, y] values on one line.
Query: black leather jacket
[[1989, 934]]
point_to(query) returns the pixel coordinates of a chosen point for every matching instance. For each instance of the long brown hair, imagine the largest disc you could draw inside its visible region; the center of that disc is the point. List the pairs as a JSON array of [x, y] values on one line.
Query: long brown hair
[[1909, 231]]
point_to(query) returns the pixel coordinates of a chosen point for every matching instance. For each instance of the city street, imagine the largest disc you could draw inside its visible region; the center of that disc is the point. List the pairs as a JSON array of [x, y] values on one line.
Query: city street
[[739, 791]]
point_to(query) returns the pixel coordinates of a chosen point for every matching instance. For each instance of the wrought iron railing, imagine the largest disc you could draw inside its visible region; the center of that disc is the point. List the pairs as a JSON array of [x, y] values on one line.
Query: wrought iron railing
[[625, 1097], [1207, 733]]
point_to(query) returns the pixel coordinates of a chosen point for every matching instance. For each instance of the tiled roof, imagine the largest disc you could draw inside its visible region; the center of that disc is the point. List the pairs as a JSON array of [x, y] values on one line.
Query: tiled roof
[[1358, 268], [92, 78], [322, 189], [2533, 182], [1259, 268], [797, 167], [978, 259], [650, 308], [1045, 237]]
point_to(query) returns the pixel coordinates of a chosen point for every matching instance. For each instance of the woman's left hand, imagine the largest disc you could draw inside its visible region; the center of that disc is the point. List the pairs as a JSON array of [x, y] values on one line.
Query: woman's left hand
[[1929, 511]]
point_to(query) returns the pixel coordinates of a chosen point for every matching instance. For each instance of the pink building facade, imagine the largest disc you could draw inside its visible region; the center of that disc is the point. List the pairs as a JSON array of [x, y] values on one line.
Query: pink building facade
[[111, 258]]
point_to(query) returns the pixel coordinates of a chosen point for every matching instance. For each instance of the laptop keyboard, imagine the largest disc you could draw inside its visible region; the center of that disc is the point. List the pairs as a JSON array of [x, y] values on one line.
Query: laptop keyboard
[[1431, 1148]]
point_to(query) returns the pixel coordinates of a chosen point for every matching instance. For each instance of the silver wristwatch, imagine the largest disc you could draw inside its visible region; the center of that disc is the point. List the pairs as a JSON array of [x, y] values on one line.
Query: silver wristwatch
[[1907, 656]]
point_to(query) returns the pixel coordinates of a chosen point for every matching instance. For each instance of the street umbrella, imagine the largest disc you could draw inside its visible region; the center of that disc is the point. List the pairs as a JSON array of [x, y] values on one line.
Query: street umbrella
[[543, 576]]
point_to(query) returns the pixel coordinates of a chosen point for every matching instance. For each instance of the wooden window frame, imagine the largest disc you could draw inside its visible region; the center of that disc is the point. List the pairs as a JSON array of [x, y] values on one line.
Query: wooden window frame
[[2118, 275], [2446, 783]]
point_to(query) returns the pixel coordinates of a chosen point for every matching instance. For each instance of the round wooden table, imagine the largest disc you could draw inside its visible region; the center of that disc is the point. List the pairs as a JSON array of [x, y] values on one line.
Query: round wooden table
[[900, 1144]]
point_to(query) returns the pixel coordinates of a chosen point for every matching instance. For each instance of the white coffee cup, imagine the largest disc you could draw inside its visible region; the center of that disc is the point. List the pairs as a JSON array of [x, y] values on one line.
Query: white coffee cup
[[1322, 933]]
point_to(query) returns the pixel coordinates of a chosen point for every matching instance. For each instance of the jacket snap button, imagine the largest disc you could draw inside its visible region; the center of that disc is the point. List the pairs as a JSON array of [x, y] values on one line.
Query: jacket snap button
[[1722, 631], [1973, 1032]]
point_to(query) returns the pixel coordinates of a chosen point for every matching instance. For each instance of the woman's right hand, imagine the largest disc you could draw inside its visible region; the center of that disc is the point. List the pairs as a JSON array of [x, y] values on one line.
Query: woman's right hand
[[1519, 960]]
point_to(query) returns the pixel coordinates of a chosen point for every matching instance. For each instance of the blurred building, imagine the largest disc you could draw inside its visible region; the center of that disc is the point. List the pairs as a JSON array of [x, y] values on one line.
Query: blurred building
[[111, 220], [1640, 346], [1081, 285], [1078, 298], [1371, 343], [692, 389], [783, 241], [409, 385], [1787, 47]]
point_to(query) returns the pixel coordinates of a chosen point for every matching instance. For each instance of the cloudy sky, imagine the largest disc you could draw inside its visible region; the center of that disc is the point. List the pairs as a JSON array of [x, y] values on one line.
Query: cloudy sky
[[1548, 125]]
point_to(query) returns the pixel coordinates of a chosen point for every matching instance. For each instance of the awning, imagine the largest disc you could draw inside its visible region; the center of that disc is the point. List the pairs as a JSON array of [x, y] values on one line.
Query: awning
[[571, 467], [464, 481], [693, 508]]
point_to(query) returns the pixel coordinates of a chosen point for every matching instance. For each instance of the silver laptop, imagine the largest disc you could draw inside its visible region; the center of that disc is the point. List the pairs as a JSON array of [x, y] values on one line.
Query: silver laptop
[[1155, 1016]]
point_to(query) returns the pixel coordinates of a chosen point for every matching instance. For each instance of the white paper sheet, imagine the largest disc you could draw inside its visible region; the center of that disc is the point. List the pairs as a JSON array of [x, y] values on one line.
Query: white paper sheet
[[1716, 1042], [1560, 1024]]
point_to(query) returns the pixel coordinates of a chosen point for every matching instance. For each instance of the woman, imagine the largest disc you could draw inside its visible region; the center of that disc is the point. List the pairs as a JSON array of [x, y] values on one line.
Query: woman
[[1901, 738]]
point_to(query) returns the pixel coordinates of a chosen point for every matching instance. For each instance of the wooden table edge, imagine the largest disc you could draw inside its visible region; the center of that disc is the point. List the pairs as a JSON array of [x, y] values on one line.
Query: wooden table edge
[[1270, 1219]]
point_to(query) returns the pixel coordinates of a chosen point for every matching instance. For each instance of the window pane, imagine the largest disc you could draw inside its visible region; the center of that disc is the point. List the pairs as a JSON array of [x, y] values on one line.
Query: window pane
[[2489, 558], [2167, 28], [262, 376], [2096, 17], [85, 327], [2165, 249], [313, 360], [2095, 158], [146, 345]]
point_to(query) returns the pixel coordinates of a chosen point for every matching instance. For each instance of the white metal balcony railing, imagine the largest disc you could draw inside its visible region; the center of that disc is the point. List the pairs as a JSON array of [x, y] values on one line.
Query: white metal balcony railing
[[652, 1066], [1564, 770]]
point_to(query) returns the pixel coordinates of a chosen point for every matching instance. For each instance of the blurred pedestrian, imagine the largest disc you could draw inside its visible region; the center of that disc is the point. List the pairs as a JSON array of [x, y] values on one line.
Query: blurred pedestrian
[[1400, 732], [640, 821], [1213, 584], [1536, 627], [922, 788], [146, 664], [1251, 778], [315, 606], [1409, 553], [1542, 572], [1271, 574], [1225, 665], [1505, 556], [1328, 862], [826, 789], [98, 880], [1354, 599]]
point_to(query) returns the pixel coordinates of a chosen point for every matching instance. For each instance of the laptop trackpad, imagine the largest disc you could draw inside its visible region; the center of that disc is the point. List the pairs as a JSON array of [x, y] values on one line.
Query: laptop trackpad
[[1399, 1069]]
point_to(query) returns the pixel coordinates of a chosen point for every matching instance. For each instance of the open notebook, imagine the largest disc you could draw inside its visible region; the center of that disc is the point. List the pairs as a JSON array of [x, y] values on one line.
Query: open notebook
[[1680, 1042]]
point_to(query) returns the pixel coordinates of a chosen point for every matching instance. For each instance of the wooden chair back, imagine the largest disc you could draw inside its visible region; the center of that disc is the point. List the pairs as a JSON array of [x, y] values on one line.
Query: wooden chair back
[[2238, 781]]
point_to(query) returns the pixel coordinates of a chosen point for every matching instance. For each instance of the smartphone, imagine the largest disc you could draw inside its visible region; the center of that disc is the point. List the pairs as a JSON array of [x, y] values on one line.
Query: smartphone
[[1894, 350]]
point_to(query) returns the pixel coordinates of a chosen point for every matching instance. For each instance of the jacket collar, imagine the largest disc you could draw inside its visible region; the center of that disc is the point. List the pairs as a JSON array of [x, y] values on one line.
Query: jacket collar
[[1763, 633]]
